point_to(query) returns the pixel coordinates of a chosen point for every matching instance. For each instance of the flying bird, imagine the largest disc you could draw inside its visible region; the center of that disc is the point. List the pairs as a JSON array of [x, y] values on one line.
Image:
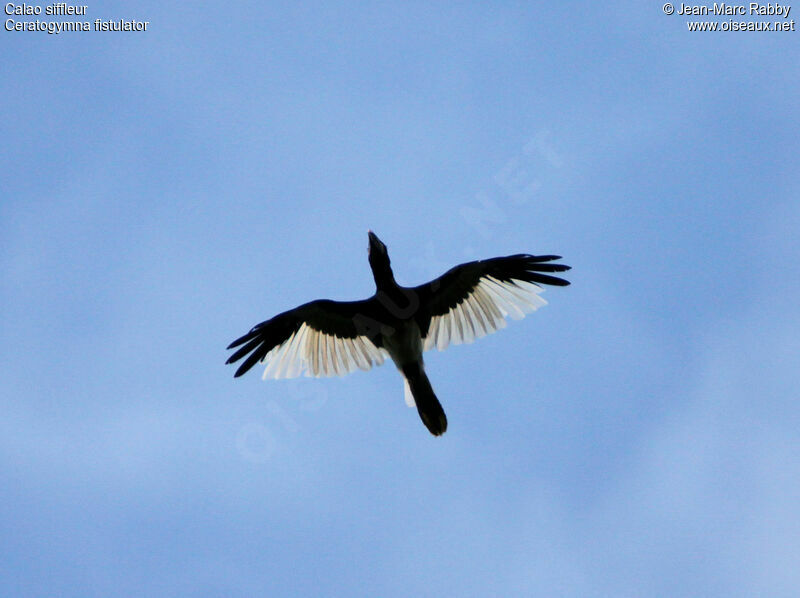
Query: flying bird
[[327, 338]]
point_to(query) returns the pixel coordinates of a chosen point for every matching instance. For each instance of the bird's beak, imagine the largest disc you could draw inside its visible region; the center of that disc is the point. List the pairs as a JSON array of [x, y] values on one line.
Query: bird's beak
[[373, 240]]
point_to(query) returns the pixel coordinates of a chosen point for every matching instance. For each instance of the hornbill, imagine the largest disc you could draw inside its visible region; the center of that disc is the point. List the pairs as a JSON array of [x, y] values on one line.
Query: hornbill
[[326, 338]]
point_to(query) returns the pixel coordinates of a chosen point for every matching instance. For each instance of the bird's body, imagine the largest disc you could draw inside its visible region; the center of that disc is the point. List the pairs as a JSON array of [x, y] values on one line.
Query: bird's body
[[324, 337]]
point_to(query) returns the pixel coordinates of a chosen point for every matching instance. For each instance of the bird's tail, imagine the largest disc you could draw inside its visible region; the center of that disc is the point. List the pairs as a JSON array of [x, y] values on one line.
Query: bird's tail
[[430, 410]]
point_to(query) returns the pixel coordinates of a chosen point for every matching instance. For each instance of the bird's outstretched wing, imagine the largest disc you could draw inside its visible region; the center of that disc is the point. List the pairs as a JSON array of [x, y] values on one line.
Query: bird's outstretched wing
[[320, 338], [473, 299]]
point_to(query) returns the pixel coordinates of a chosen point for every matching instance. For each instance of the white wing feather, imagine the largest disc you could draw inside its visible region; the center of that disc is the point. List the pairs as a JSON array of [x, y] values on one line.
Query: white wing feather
[[314, 353], [483, 312]]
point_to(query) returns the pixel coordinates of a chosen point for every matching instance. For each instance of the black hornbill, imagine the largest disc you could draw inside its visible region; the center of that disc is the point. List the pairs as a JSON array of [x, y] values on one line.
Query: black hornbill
[[326, 338]]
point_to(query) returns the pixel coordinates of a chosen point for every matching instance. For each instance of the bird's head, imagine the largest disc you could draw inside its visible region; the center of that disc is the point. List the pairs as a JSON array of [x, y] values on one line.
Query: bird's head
[[376, 247], [378, 255]]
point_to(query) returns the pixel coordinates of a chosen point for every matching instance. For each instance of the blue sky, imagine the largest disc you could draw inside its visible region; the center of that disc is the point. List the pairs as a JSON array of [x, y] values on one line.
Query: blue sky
[[164, 191]]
